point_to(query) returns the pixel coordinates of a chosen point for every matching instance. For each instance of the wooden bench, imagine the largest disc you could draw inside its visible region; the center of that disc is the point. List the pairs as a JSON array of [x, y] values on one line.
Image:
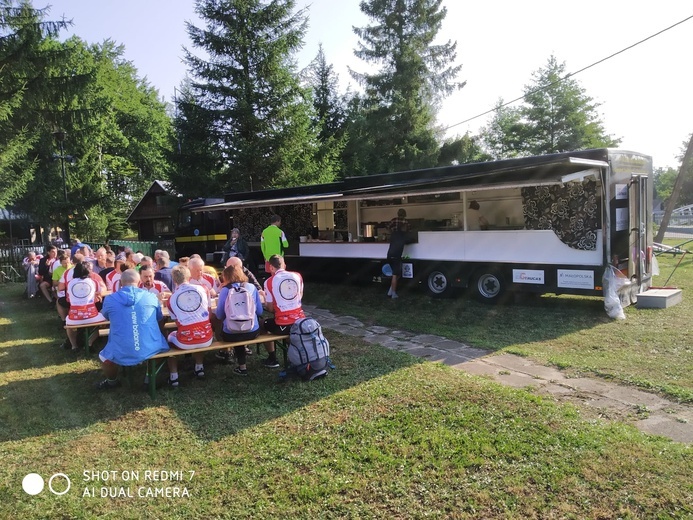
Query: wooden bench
[[156, 362]]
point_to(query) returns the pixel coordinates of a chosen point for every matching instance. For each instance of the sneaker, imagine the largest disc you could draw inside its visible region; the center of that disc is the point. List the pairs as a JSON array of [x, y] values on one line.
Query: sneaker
[[223, 356], [248, 351], [240, 371], [107, 384], [394, 296], [200, 374], [318, 375], [172, 383], [389, 291], [270, 363]]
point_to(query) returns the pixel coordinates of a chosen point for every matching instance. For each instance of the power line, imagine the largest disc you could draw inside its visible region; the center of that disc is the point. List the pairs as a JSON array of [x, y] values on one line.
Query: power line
[[570, 74]]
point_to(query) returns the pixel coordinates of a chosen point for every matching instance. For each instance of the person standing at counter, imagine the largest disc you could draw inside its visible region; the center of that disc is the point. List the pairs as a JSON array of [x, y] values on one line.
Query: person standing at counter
[[273, 241], [398, 226], [236, 246], [475, 220]]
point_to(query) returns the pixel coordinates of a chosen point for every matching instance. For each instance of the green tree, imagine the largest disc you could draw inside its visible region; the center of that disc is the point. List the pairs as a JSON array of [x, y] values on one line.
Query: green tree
[[461, 150], [24, 58], [664, 179], [330, 113], [117, 134], [248, 85], [504, 136], [198, 160], [400, 99], [558, 115]]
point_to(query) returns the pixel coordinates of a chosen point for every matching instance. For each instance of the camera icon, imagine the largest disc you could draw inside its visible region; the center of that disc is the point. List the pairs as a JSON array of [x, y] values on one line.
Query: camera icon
[[33, 484]]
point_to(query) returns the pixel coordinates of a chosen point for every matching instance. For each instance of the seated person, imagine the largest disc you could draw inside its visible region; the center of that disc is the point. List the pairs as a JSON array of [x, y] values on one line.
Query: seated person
[[243, 323], [188, 306], [83, 292], [283, 295], [135, 334], [148, 283]]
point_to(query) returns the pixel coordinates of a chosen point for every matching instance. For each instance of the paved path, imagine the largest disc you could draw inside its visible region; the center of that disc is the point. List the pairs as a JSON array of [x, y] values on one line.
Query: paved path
[[648, 412]]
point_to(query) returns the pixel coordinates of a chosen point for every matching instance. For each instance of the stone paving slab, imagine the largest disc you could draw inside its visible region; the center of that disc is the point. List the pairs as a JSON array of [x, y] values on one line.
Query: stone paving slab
[[428, 339]]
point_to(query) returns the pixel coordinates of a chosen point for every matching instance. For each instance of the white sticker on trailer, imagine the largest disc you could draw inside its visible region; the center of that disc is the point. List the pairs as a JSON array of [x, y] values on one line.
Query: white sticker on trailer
[[575, 279], [528, 276], [407, 270]]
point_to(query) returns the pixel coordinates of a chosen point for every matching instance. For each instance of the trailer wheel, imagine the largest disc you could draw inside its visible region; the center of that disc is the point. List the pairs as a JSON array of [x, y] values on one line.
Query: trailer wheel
[[439, 284], [489, 286]]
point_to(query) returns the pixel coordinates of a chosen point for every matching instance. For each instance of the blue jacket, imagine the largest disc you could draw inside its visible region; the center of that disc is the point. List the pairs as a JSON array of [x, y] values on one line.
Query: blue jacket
[[135, 335]]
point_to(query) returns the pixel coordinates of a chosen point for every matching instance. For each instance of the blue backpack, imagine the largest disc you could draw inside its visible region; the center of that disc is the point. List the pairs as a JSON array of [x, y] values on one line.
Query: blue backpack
[[309, 350]]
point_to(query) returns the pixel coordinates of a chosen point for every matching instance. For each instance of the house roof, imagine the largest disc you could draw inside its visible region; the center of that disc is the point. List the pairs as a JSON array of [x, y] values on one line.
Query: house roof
[[156, 187]]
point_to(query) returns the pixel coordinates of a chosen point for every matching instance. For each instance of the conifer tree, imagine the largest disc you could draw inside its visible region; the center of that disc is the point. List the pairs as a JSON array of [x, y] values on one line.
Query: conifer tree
[[245, 79], [401, 98]]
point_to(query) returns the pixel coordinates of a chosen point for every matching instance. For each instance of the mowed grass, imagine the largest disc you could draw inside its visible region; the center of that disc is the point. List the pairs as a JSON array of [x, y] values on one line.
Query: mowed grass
[[384, 436], [652, 348]]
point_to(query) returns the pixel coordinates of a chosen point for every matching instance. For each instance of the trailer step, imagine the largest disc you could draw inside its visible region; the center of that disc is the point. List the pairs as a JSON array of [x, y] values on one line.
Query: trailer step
[[659, 298]]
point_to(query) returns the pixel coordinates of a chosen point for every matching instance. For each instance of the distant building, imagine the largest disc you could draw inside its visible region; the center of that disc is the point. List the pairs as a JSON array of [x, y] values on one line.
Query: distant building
[[155, 213]]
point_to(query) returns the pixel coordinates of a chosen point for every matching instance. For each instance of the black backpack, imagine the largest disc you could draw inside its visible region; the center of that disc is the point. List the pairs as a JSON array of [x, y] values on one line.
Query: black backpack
[[309, 350]]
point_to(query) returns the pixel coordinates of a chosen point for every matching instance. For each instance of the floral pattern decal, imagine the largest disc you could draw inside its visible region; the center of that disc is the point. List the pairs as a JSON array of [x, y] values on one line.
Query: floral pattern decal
[[572, 210]]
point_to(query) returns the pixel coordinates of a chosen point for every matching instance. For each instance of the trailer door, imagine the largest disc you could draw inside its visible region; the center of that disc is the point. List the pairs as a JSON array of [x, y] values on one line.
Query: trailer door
[[640, 219]]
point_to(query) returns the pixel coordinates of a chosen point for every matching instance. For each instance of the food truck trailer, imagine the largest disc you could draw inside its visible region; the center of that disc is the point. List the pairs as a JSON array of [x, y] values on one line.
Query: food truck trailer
[[555, 223]]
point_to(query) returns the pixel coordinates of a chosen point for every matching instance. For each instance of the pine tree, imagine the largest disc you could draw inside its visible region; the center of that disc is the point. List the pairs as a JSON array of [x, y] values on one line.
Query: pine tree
[[249, 87], [401, 98], [558, 115], [329, 106]]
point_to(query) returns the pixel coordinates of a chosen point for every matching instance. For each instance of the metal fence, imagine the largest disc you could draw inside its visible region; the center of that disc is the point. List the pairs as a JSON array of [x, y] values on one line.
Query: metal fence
[[680, 226]]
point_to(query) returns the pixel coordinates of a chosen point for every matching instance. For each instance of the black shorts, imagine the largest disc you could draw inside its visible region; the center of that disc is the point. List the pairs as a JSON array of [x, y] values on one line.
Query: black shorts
[[63, 303], [396, 265], [272, 327], [241, 336]]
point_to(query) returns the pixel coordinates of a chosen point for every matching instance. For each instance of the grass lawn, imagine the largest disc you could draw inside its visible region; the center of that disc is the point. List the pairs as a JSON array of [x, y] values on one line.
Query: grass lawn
[[652, 348], [384, 436]]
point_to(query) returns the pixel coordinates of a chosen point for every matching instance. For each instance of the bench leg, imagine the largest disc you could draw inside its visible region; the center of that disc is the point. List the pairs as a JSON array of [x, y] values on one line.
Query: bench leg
[[284, 346], [152, 372]]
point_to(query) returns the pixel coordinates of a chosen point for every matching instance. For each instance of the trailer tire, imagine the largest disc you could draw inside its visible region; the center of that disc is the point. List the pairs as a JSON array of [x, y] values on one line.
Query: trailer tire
[[489, 286], [439, 284]]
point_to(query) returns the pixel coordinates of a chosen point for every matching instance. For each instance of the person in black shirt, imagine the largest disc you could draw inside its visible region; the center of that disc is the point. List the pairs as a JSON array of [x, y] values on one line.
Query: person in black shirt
[[398, 238]]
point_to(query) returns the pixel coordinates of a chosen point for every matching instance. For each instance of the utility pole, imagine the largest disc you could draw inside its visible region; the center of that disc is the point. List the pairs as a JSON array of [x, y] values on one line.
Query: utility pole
[[673, 200], [60, 137]]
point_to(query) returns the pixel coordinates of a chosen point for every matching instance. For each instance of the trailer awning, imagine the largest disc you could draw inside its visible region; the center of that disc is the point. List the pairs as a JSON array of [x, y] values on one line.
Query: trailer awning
[[530, 171]]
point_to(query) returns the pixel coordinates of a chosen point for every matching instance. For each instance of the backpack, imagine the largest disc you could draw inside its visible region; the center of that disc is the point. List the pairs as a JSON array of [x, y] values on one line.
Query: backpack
[[309, 350], [239, 309]]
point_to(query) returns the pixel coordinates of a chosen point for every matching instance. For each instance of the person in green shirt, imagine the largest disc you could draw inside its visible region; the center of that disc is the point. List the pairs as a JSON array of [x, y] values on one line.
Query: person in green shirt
[[273, 240]]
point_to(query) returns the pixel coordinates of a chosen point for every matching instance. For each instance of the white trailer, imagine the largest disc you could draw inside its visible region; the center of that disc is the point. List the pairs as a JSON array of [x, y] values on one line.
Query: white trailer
[[555, 224]]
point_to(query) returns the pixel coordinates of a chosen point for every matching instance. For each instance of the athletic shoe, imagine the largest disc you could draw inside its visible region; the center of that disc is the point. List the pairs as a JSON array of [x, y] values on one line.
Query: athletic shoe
[[248, 351], [270, 363], [394, 296], [389, 291], [200, 374], [240, 371], [318, 375], [173, 383], [107, 384]]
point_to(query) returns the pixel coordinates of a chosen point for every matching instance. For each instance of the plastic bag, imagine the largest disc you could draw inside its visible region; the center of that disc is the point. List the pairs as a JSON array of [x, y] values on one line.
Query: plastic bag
[[655, 266], [612, 282]]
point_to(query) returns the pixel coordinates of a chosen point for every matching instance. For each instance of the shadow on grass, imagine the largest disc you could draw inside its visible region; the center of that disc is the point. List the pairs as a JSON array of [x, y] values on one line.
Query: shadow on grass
[[521, 319], [43, 393]]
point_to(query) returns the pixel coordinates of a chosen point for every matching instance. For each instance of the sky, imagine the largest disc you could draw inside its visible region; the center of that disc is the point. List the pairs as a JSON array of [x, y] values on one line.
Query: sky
[[643, 92]]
